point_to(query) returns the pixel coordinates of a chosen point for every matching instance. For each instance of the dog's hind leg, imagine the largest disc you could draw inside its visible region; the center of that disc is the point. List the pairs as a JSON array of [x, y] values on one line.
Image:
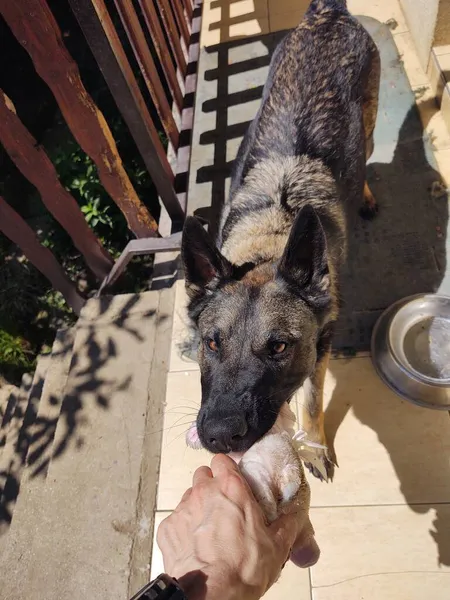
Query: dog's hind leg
[[313, 416], [369, 208]]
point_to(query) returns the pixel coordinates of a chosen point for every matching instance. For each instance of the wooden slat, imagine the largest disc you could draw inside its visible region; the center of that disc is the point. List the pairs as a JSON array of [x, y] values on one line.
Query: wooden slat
[[35, 165], [180, 18], [15, 228], [104, 42], [189, 8], [36, 29], [160, 44], [172, 33], [149, 71]]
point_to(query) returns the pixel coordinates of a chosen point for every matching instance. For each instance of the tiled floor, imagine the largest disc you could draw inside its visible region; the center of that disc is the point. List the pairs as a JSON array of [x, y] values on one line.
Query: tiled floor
[[384, 523]]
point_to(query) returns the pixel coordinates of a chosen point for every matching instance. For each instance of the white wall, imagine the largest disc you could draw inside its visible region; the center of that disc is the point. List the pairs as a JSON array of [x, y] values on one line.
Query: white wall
[[421, 17]]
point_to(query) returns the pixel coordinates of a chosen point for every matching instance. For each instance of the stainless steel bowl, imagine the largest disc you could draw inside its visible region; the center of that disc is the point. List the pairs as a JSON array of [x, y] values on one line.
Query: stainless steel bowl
[[411, 349]]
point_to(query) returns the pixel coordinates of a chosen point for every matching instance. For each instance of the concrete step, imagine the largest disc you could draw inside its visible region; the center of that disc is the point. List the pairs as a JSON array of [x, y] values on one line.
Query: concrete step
[[29, 502], [84, 530], [16, 440], [8, 394]]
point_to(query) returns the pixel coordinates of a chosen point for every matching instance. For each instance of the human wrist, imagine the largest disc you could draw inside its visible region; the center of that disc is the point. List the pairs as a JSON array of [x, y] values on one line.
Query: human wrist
[[198, 585]]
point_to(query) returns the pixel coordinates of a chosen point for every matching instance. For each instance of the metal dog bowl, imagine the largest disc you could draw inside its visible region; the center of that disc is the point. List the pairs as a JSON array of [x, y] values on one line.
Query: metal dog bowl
[[411, 349]]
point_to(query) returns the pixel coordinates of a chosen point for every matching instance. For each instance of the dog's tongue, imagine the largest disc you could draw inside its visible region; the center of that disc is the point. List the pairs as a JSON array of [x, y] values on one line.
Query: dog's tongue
[[285, 422], [192, 439]]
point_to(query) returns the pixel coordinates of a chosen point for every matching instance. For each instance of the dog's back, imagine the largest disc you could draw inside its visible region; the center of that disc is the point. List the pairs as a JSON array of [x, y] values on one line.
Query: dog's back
[[312, 107]]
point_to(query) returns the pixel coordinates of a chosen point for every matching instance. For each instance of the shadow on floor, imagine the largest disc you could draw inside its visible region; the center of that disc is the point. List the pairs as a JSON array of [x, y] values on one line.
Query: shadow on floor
[[233, 21], [34, 437], [234, 60], [403, 251], [420, 466]]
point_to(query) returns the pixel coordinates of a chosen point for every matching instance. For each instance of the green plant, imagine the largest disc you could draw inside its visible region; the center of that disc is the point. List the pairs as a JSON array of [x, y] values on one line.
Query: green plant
[[96, 214], [14, 350]]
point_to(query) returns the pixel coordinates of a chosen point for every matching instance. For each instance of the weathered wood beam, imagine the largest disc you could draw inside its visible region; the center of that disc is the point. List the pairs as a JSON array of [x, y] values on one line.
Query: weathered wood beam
[[35, 165], [15, 228], [108, 51], [35, 28]]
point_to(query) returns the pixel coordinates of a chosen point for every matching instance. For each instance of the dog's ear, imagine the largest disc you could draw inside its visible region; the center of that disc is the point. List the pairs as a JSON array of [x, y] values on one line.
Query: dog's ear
[[204, 265], [304, 263]]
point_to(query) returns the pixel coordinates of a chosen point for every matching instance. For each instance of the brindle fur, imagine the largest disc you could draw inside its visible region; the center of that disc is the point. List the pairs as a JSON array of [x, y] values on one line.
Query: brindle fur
[[273, 274]]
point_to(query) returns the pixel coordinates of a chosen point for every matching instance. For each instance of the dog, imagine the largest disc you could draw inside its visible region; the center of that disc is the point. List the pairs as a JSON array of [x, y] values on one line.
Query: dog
[[264, 296]]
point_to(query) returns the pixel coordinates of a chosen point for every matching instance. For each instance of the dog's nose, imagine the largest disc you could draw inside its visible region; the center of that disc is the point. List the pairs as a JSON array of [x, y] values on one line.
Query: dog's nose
[[223, 433]]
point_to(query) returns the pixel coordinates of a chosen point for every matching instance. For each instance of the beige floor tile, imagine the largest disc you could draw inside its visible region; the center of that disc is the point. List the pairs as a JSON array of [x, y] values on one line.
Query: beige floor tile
[[232, 148], [283, 7], [439, 50], [250, 8], [223, 20], [157, 564], [248, 28], [183, 352], [382, 552], [242, 113], [293, 582], [405, 46], [178, 462], [381, 10], [389, 451], [287, 20]]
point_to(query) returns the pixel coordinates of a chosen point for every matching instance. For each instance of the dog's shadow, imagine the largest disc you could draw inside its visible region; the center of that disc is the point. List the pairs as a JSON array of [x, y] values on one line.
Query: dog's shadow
[[412, 207]]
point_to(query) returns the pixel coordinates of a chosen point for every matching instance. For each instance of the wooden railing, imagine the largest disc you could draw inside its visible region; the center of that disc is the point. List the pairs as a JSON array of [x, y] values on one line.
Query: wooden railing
[[169, 25]]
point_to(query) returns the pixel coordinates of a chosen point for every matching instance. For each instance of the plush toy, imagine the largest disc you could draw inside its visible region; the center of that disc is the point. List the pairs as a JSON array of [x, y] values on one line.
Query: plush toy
[[273, 469]]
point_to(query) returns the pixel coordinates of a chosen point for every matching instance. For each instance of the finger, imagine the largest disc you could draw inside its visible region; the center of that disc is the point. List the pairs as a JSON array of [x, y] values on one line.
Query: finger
[[186, 496], [232, 482], [284, 531], [201, 474], [222, 464]]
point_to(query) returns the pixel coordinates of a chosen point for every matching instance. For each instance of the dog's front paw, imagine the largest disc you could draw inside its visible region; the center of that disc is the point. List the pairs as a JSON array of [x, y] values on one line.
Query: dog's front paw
[[321, 465]]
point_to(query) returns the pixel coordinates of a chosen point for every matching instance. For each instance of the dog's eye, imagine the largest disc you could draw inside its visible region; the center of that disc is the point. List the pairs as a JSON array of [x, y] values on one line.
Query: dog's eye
[[212, 345], [278, 347]]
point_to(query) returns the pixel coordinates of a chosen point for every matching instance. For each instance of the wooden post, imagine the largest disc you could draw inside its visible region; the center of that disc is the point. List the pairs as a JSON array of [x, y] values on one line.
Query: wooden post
[[15, 228], [35, 165], [35, 28]]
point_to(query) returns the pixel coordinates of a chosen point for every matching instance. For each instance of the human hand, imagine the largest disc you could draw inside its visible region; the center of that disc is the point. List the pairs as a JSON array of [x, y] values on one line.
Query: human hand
[[217, 543]]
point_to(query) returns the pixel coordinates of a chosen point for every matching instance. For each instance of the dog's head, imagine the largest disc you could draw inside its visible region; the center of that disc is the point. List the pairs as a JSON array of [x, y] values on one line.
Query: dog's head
[[259, 327]]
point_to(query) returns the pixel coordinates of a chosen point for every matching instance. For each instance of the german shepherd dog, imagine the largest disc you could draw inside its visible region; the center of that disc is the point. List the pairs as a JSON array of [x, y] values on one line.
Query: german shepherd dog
[[264, 296]]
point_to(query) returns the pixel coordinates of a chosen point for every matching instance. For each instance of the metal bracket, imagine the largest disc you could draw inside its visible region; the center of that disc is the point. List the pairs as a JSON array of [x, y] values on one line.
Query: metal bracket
[[138, 248]]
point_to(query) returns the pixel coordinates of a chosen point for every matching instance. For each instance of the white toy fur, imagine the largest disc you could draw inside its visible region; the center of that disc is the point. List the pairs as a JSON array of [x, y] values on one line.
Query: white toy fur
[[273, 469]]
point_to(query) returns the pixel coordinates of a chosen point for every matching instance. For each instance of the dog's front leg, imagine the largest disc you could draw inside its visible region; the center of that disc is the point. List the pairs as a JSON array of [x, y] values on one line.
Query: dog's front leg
[[313, 416]]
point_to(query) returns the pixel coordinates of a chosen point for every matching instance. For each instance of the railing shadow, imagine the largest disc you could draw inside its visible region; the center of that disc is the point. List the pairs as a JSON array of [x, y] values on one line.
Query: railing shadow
[[239, 74], [49, 424]]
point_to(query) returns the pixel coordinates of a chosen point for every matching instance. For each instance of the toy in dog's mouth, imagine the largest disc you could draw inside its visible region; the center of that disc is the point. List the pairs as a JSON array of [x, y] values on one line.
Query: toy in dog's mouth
[[285, 422], [272, 468]]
